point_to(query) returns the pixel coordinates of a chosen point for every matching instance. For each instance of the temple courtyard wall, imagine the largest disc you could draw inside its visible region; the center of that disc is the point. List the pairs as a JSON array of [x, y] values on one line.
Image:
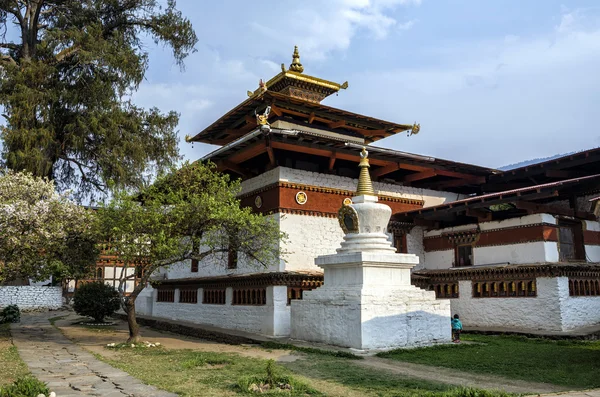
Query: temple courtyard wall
[[552, 310], [29, 297]]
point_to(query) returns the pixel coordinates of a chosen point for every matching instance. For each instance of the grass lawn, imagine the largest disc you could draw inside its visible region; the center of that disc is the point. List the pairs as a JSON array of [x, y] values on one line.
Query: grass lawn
[[194, 373], [364, 380], [567, 363], [11, 365]]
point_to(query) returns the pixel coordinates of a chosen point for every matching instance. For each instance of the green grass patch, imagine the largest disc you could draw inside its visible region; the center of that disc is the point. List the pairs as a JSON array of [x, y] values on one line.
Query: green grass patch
[[366, 380], [310, 350], [24, 387], [53, 320], [191, 373], [194, 373], [11, 365], [567, 363]]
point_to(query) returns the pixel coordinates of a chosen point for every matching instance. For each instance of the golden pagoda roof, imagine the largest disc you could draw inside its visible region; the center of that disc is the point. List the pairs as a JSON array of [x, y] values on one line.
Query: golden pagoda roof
[[295, 83]]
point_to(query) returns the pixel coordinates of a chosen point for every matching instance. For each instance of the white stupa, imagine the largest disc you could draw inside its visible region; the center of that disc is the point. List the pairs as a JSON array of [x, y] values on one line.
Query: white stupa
[[367, 300]]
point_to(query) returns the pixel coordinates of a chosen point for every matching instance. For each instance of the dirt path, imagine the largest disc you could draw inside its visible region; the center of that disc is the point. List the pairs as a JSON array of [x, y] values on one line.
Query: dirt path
[[95, 340], [459, 378]]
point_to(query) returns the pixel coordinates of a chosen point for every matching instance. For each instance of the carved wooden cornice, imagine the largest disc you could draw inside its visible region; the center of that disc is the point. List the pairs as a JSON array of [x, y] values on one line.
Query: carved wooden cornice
[[250, 280], [512, 272], [396, 227]]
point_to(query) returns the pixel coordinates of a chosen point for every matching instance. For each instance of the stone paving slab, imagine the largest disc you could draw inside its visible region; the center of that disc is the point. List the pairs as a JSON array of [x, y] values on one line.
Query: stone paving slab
[[69, 370]]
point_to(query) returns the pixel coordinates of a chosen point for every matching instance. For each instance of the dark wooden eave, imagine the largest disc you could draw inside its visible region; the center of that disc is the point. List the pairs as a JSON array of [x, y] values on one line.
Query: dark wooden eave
[[241, 119], [532, 199], [290, 279], [574, 165], [258, 152]]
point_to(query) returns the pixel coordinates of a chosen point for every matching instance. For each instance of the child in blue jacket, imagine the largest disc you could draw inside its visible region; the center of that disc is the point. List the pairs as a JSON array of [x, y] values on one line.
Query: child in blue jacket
[[456, 328]]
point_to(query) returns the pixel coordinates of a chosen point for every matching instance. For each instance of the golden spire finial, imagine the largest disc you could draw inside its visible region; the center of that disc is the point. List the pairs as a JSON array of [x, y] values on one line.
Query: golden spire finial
[[365, 186], [296, 66]]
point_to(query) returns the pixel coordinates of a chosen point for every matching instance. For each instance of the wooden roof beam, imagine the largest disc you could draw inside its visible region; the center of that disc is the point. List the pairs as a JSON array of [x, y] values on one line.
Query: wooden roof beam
[[331, 161], [420, 176], [337, 124], [482, 216], [457, 183], [379, 172], [533, 208], [247, 154], [228, 165]]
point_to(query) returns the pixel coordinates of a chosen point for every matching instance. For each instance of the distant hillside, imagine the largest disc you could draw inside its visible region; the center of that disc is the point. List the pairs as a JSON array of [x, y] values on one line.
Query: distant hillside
[[532, 161]]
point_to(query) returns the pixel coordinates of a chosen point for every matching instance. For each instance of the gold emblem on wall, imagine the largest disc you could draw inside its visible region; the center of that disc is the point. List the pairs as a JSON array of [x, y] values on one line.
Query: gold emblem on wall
[[347, 201], [258, 201], [301, 198], [348, 218]]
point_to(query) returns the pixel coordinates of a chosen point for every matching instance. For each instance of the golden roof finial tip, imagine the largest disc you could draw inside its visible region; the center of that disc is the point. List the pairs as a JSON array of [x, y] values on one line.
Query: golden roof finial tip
[[365, 186], [296, 66]]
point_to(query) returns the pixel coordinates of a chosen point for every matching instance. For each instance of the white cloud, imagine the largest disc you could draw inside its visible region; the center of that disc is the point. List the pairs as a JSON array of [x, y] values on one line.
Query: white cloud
[[321, 27], [407, 25]]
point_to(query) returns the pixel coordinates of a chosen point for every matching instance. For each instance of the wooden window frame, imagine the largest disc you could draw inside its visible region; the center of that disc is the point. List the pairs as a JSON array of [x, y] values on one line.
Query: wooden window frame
[[448, 290], [165, 295], [402, 247], [214, 296], [526, 288], [188, 295], [252, 296], [584, 287], [457, 255], [576, 228]]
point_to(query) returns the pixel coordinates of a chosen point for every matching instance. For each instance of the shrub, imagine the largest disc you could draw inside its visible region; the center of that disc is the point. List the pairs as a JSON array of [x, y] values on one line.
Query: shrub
[[25, 386], [96, 300], [10, 314]]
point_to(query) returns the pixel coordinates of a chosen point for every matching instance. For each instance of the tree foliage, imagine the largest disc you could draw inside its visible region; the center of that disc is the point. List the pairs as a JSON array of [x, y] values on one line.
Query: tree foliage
[[65, 82], [42, 232], [193, 213]]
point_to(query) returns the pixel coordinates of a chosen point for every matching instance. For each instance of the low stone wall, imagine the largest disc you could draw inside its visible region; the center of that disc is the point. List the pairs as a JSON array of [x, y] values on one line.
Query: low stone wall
[[30, 297]]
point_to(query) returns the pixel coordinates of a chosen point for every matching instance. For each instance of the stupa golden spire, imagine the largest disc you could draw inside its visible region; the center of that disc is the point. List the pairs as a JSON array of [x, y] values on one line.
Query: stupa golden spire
[[296, 66], [365, 186]]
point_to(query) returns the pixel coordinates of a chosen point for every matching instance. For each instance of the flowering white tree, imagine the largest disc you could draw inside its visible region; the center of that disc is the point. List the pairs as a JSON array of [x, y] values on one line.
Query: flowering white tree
[[42, 232]]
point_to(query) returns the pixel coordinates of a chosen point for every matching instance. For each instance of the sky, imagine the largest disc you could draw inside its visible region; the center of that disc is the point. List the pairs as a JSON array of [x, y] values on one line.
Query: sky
[[491, 82]]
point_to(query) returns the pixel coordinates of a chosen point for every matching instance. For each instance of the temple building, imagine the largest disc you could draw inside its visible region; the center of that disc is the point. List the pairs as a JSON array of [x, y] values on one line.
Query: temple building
[[518, 249]]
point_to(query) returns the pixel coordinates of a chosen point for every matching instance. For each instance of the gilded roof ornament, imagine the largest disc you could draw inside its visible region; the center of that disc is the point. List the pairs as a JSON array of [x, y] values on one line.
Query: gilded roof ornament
[[296, 66], [415, 129], [365, 186]]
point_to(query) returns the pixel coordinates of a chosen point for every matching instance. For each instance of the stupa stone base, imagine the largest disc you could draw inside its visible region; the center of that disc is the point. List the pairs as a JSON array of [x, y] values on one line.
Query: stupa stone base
[[368, 303]]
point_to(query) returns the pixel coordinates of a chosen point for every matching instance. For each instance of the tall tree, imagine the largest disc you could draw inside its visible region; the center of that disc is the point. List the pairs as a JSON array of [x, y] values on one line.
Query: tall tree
[[67, 70], [193, 213], [42, 232]]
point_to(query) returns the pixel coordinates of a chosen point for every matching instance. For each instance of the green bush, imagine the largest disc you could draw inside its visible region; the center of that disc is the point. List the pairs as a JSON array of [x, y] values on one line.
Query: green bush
[[273, 384], [27, 386], [10, 314], [96, 300]]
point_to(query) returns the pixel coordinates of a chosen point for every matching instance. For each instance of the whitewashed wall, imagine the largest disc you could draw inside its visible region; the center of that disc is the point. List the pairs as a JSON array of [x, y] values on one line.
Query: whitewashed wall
[[31, 297], [518, 314], [309, 237], [272, 319], [551, 310], [577, 311], [531, 252]]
